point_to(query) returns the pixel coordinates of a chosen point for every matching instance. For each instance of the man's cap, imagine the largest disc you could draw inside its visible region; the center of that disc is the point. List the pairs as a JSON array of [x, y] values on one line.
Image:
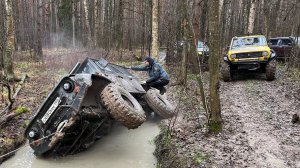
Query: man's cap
[[149, 59]]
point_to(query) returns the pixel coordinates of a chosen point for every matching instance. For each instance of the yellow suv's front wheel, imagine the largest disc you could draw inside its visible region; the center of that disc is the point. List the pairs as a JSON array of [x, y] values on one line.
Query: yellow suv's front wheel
[[226, 74], [271, 70]]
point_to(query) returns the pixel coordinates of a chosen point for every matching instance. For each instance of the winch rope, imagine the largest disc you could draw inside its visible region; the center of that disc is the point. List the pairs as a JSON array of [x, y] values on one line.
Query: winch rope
[[13, 151]]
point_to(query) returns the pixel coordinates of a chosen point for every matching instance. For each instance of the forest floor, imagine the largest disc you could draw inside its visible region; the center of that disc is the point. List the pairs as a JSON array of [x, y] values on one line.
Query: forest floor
[[257, 128]]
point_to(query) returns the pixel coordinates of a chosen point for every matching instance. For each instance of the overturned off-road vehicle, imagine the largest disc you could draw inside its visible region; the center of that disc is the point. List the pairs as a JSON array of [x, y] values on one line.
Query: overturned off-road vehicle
[[84, 104]]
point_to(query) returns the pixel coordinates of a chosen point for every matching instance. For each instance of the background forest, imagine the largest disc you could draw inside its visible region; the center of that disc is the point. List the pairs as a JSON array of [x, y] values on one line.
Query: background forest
[[119, 25], [44, 38]]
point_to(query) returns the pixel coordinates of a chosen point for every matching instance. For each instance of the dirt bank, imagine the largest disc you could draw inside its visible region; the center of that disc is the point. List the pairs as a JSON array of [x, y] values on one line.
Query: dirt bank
[[257, 130]]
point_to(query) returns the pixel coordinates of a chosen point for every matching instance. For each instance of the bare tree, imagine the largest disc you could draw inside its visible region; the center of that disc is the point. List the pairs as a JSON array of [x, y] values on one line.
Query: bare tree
[[154, 46], [2, 35], [215, 118], [73, 25], [196, 62], [38, 52], [10, 46], [87, 23]]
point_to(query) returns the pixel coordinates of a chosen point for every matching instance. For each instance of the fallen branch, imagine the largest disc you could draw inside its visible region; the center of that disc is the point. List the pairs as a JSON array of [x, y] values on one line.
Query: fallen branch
[[8, 117], [20, 86], [12, 99]]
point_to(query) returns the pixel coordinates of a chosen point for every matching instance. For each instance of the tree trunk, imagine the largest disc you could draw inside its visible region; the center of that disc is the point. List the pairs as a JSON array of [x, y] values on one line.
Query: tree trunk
[[10, 46], [195, 33], [120, 26], [251, 17], [73, 25], [273, 21], [38, 52], [203, 21], [154, 45], [2, 35], [215, 120], [97, 22], [194, 58], [182, 77], [87, 24]]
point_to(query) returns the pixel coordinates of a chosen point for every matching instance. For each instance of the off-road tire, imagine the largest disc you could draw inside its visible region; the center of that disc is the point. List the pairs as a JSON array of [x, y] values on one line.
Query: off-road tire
[[159, 103], [271, 70], [226, 74], [122, 106]]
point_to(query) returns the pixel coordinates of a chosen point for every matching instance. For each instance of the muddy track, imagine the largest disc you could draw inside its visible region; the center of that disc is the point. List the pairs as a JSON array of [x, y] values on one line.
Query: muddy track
[[264, 136], [257, 128]]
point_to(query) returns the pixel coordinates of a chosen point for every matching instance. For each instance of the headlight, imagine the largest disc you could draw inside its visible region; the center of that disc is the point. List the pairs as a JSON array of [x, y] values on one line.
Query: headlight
[[232, 56], [265, 53], [200, 53], [33, 134], [68, 86]]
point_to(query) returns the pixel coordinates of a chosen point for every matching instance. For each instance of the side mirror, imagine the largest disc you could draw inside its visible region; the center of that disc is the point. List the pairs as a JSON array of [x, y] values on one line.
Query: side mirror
[[289, 44]]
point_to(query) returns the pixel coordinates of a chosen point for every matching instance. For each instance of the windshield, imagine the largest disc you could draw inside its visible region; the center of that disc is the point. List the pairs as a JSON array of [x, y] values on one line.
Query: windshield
[[274, 41], [248, 42], [200, 44]]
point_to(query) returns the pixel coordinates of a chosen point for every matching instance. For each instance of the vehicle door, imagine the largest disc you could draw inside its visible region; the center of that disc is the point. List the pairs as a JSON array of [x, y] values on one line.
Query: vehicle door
[[287, 46]]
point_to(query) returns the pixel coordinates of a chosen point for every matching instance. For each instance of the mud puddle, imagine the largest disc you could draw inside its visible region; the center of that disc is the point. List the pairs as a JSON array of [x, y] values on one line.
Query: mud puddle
[[120, 148]]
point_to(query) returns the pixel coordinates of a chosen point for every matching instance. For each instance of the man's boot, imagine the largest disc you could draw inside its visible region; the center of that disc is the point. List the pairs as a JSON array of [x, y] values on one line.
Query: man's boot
[[162, 90]]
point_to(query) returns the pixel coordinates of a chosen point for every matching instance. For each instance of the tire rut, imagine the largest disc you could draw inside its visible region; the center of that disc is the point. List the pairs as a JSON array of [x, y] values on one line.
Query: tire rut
[[265, 121]]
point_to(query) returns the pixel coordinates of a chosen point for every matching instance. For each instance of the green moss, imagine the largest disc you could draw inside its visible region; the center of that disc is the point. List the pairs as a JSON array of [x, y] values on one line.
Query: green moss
[[199, 158], [22, 110], [192, 77], [215, 127], [22, 65], [25, 123], [62, 72]]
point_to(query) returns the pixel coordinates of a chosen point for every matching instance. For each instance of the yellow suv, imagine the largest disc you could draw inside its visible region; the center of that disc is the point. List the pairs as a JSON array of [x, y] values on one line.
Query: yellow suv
[[249, 53]]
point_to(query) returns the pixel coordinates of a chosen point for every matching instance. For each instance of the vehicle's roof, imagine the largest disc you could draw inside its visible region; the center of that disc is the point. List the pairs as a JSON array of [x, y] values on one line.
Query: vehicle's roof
[[249, 36], [280, 38]]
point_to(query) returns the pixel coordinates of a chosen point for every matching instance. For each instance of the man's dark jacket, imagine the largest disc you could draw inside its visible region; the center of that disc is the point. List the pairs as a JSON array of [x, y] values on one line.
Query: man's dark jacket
[[155, 71]]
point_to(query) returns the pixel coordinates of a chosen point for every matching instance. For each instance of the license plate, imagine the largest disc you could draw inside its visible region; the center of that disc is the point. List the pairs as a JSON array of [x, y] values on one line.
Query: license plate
[[51, 110]]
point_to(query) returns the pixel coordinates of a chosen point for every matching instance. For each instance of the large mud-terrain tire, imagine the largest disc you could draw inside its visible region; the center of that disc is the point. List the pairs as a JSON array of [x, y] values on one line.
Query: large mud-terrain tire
[[226, 74], [159, 103], [271, 70], [123, 106]]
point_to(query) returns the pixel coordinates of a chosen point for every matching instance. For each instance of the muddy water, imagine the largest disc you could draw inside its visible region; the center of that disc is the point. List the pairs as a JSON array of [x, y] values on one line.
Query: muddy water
[[121, 148]]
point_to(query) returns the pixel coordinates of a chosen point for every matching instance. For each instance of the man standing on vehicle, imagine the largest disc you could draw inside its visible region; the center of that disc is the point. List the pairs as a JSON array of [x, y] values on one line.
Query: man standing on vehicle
[[158, 77]]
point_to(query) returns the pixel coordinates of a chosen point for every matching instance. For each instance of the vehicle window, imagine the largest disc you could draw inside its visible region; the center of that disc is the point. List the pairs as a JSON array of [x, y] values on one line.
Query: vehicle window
[[105, 69], [248, 41], [89, 69], [274, 41], [200, 44], [286, 41]]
